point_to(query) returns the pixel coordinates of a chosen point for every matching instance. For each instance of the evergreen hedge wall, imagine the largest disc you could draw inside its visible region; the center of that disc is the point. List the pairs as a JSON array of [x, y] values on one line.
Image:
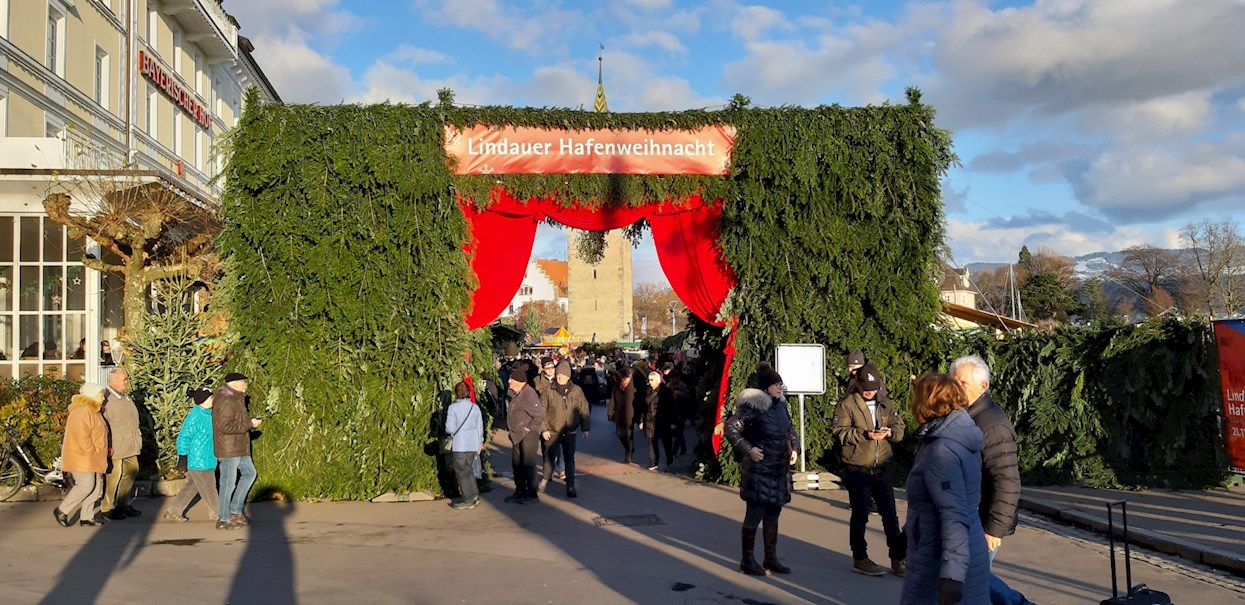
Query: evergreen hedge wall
[[347, 285]]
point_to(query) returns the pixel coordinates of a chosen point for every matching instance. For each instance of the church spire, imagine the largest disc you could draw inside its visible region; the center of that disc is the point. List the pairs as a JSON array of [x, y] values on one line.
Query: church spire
[[600, 106]]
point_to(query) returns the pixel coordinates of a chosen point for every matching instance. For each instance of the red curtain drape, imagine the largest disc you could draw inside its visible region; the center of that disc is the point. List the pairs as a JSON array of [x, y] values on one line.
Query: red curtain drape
[[685, 235]]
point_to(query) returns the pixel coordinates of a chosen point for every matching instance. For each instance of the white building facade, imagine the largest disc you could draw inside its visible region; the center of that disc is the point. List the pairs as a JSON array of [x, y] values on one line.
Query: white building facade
[[140, 89], [544, 279]]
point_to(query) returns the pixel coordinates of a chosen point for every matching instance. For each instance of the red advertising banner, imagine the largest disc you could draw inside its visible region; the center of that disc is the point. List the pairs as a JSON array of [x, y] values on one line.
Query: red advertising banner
[[483, 149], [1230, 335]]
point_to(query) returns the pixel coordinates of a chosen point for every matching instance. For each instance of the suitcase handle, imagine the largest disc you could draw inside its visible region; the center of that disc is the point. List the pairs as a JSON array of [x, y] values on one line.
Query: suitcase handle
[[1128, 563]]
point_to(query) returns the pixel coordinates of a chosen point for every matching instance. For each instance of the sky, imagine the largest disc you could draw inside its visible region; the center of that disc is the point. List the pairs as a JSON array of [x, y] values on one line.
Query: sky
[[1081, 125]]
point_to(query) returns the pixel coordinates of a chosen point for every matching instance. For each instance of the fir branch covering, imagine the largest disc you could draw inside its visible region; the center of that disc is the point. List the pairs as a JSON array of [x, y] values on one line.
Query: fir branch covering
[[347, 284]]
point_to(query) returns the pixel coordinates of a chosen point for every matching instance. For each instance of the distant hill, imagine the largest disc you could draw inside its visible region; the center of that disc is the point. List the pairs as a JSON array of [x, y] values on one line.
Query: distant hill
[[1087, 265]]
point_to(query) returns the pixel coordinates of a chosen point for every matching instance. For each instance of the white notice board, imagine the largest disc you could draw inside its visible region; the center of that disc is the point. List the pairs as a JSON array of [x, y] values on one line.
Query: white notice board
[[803, 368]]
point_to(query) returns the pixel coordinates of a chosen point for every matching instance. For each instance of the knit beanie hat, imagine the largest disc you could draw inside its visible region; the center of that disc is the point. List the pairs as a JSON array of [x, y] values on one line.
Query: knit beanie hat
[[200, 395], [870, 378], [767, 377], [564, 369], [232, 376]]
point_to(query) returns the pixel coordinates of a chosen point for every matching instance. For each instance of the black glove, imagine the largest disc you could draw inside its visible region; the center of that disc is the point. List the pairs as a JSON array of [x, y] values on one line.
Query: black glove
[[950, 592], [181, 463]]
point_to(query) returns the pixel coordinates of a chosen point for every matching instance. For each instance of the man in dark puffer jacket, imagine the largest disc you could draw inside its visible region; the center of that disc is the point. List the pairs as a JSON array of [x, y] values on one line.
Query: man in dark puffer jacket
[[1000, 471]]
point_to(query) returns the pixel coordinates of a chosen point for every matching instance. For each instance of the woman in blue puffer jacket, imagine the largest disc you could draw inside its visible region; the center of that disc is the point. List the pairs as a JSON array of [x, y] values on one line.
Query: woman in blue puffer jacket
[[947, 558], [194, 442]]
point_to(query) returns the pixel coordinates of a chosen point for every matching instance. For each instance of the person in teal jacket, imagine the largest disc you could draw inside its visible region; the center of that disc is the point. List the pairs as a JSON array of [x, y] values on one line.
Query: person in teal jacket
[[194, 442]]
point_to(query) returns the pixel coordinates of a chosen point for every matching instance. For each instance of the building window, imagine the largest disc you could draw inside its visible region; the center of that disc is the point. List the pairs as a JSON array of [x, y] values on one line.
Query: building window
[[177, 51], [42, 299], [177, 133], [151, 111], [198, 148], [101, 77], [198, 69], [54, 62], [153, 23]]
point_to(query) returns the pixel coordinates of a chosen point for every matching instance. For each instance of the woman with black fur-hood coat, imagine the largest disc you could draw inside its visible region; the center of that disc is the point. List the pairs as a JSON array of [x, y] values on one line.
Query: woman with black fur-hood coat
[[764, 440]]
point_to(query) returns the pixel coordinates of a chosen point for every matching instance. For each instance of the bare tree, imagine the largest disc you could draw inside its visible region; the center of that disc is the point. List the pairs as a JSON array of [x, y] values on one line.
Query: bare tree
[[158, 233], [1219, 253], [995, 289], [536, 316], [1147, 270], [655, 302]]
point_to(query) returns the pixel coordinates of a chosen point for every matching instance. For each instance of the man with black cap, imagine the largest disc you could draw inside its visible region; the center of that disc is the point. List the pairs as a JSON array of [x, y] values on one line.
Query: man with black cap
[[566, 409], [547, 368], [866, 425], [231, 440], [621, 410], [855, 360], [525, 420]]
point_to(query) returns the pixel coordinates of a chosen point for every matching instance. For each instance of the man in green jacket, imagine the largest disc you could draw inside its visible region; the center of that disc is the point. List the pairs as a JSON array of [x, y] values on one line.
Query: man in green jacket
[[866, 425]]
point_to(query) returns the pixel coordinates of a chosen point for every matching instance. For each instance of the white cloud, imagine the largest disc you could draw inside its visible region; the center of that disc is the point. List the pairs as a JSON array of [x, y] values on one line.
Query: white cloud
[[526, 30], [1161, 118], [405, 53], [660, 39], [753, 22], [300, 74], [1162, 183]]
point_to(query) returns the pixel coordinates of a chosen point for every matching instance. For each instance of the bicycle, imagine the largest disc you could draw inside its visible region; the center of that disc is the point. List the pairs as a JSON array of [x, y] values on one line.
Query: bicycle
[[16, 465]]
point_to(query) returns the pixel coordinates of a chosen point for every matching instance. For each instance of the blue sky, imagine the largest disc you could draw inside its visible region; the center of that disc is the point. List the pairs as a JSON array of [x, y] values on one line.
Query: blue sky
[[1082, 125]]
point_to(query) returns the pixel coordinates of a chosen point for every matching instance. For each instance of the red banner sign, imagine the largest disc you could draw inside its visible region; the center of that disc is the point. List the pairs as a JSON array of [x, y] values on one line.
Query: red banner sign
[[1230, 335], [167, 82], [516, 150]]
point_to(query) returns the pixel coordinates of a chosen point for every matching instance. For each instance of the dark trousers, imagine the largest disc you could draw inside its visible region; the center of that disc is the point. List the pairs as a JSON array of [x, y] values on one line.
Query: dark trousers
[[861, 486], [627, 437], [680, 441], [654, 452], [564, 447], [464, 470], [523, 456]]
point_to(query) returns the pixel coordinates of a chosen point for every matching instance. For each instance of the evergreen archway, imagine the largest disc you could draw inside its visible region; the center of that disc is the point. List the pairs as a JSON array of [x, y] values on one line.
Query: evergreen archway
[[348, 287]]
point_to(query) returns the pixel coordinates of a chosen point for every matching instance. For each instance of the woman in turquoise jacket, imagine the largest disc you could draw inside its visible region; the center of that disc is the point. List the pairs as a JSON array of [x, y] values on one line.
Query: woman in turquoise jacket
[[194, 442]]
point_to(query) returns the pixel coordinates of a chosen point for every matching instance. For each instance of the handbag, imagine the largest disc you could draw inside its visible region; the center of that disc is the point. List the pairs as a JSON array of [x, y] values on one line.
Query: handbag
[[446, 443]]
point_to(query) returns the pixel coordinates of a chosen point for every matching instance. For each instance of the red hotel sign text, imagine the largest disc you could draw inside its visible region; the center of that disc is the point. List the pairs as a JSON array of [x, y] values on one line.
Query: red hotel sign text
[[481, 149], [152, 70]]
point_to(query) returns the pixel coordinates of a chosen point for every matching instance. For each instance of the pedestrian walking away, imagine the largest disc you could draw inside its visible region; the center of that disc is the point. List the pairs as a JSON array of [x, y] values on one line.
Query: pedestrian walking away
[[125, 445], [84, 456], [524, 420], [1000, 470], [196, 447], [566, 411], [866, 425], [764, 442], [231, 440], [621, 410], [947, 562], [465, 423]]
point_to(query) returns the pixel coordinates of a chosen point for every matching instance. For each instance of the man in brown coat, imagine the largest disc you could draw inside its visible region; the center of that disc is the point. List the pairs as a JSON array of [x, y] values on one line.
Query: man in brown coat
[[126, 443], [231, 441], [566, 409]]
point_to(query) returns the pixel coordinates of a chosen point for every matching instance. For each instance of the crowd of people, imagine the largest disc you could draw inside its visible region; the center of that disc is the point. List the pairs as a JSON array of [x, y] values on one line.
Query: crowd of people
[[962, 491], [103, 440]]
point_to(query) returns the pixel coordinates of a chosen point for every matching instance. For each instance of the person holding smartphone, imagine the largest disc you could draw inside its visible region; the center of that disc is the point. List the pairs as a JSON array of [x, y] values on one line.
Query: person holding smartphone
[[866, 425]]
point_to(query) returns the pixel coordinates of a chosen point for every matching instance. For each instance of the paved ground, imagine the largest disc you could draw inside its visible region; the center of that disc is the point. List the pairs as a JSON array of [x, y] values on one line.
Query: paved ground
[[552, 552]]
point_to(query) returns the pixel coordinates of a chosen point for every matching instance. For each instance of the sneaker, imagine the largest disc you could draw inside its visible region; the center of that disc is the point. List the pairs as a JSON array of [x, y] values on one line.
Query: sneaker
[[562, 475], [174, 517], [898, 567], [652, 468], [225, 525], [465, 505], [544, 484], [868, 568], [240, 520], [532, 499]]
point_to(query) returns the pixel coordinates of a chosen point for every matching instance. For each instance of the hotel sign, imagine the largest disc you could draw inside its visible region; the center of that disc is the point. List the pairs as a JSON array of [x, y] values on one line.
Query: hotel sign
[[481, 149], [171, 85]]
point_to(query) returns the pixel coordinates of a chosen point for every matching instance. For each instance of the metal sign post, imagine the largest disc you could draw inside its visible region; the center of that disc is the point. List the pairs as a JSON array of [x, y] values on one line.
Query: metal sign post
[[803, 369]]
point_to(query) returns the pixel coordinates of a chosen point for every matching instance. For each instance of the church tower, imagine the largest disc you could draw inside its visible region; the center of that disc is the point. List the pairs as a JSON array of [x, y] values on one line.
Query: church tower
[[599, 296]]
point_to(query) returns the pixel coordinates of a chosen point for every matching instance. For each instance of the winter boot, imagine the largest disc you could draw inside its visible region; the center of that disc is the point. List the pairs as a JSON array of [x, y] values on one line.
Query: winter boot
[[747, 564], [769, 534]]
